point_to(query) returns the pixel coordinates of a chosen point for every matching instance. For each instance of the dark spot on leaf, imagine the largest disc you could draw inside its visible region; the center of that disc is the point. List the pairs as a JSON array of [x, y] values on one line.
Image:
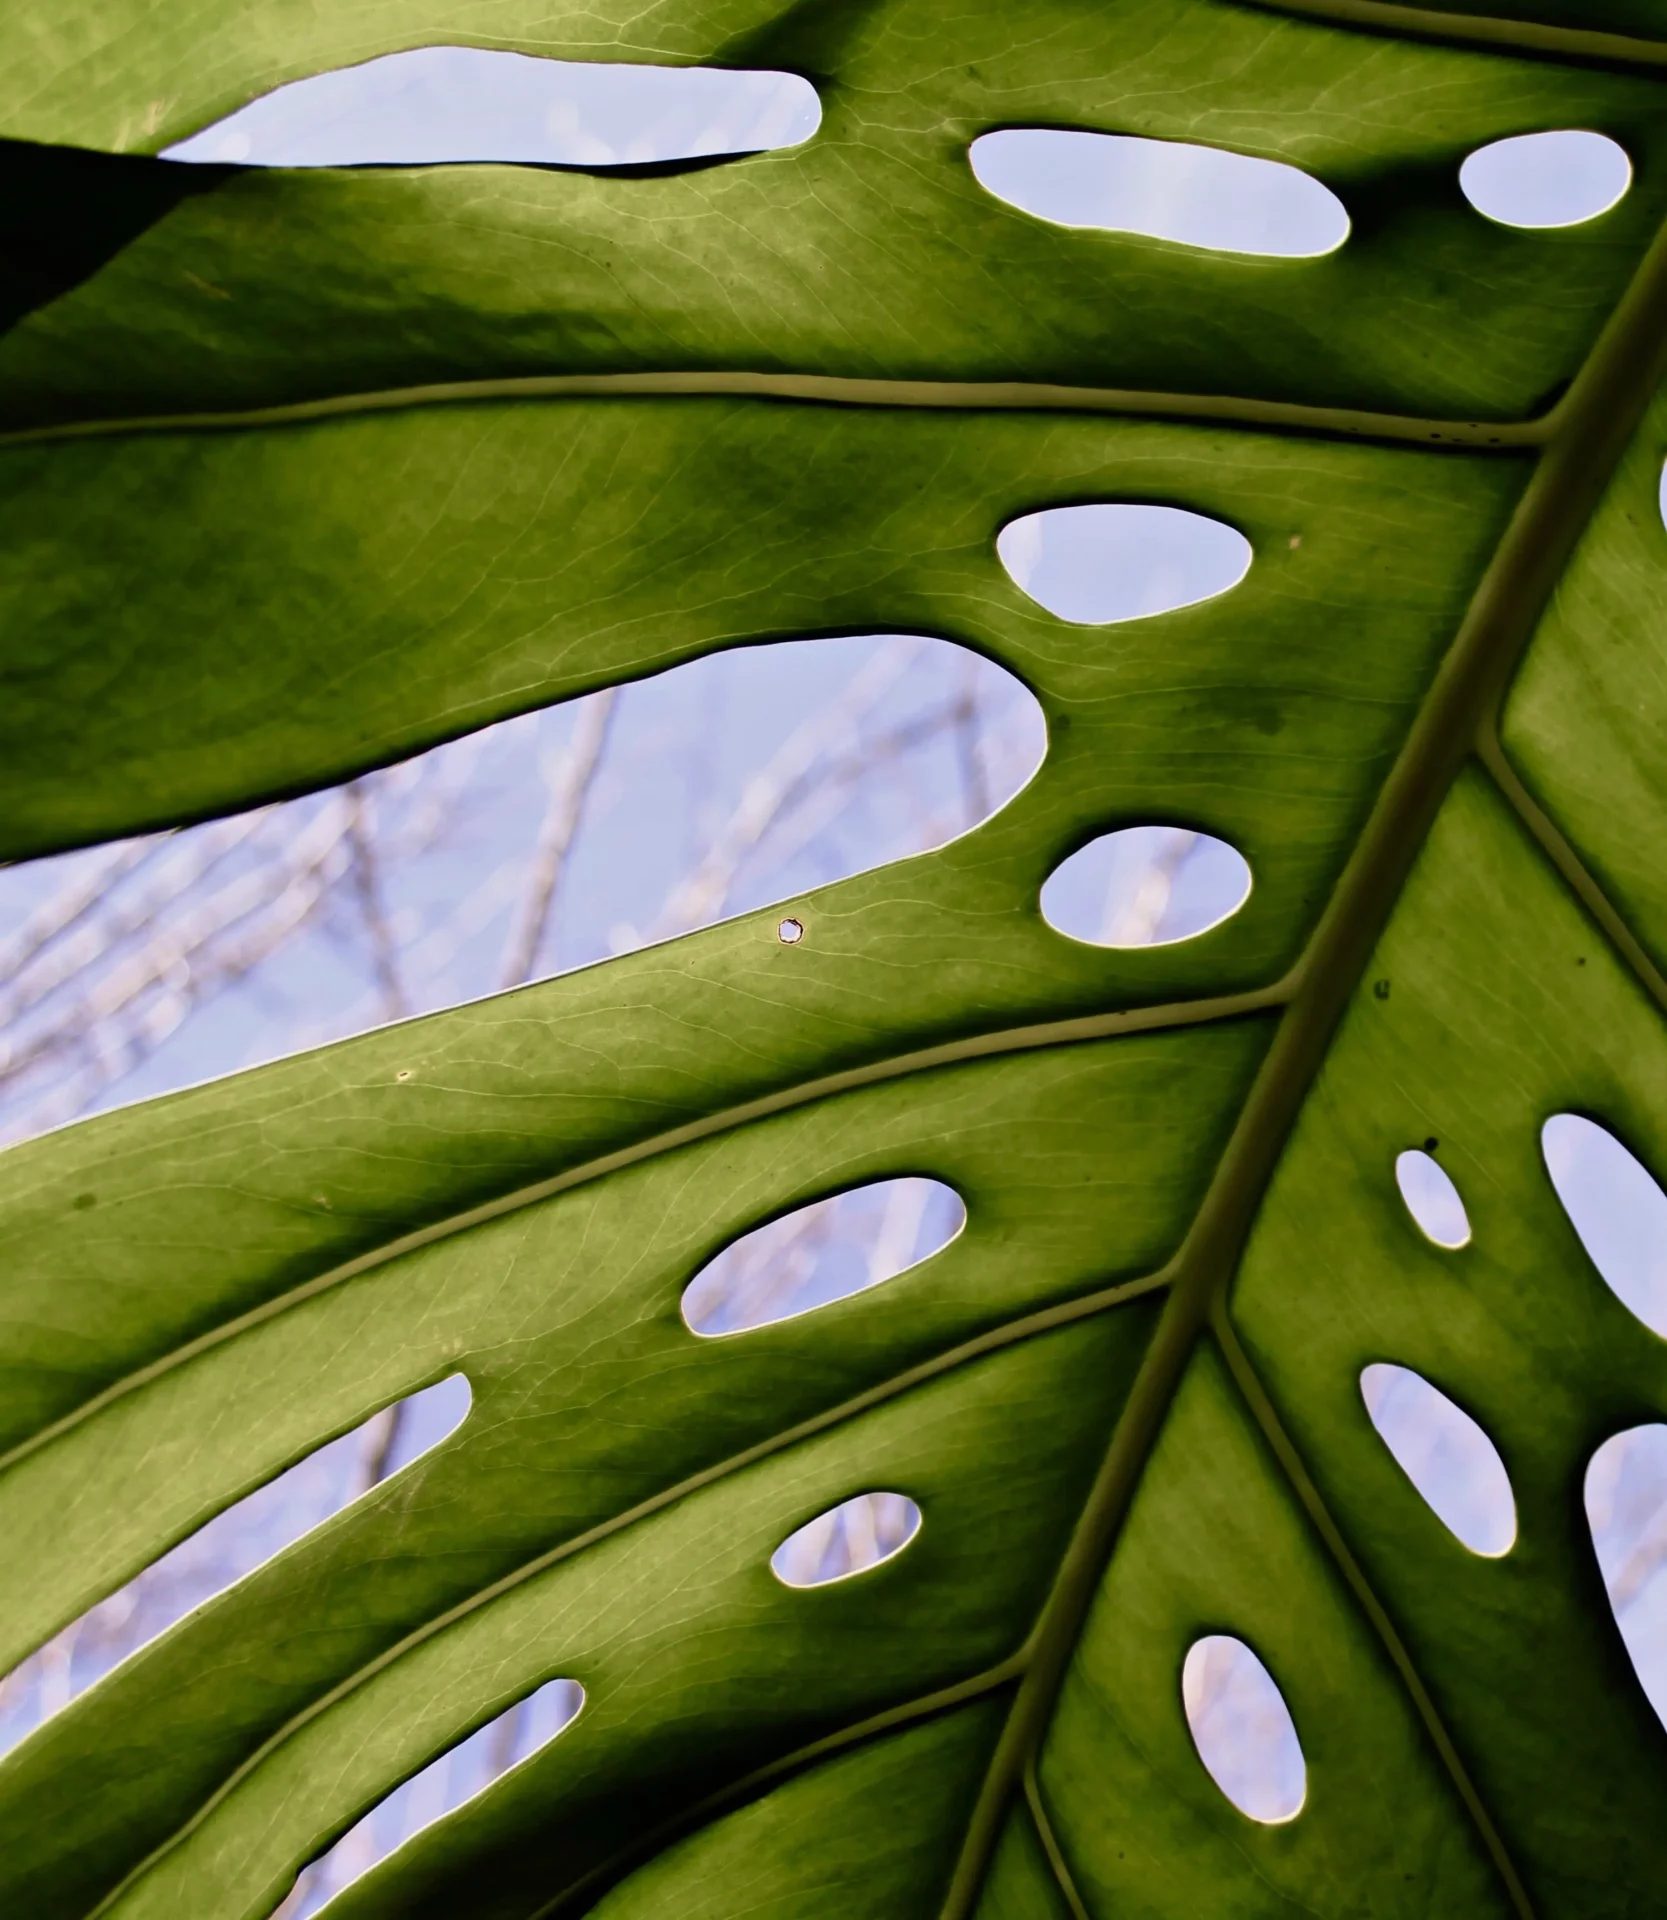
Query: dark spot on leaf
[[83, 1201], [1380, 989]]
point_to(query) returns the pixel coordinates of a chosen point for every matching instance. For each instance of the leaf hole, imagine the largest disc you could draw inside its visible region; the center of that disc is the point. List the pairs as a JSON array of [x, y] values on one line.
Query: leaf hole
[[1432, 1199], [505, 1742], [1146, 887], [728, 783], [1626, 1510], [1616, 1208], [1243, 1729], [856, 1536], [1452, 1463], [230, 1547], [1539, 180], [1197, 196], [1108, 561], [823, 1252], [434, 105], [790, 932]]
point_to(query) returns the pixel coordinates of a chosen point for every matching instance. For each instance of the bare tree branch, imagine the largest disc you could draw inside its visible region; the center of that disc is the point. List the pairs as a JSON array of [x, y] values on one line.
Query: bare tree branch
[[570, 782], [364, 875]]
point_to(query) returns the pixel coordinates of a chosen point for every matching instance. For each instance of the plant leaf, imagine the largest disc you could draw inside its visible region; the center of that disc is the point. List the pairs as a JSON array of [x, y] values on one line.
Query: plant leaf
[[305, 472]]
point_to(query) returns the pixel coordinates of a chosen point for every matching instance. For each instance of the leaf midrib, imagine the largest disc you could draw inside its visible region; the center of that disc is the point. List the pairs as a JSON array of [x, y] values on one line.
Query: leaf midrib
[[1581, 440], [1595, 422], [1454, 724]]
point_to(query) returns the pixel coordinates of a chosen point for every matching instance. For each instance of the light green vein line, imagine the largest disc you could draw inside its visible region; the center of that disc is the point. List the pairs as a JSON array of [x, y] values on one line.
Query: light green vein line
[[969, 396], [1056, 1033], [1050, 1845], [1593, 425], [905, 1714], [1570, 868], [1009, 1334]]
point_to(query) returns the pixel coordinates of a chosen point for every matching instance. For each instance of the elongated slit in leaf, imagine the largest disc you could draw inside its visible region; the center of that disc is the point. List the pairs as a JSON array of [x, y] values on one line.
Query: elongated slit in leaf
[[448, 1783], [1195, 196], [439, 104], [238, 1541]]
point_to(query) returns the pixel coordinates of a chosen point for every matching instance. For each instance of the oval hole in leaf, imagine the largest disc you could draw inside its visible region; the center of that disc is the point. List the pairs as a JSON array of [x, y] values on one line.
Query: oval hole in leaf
[[1432, 1199], [857, 1535], [227, 1549], [1146, 887], [1096, 564], [1163, 189], [1445, 1454], [1626, 1509], [438, 104], [1616, 1207], [823, 1252], [1546, 179], [1243, 1729], [458, 1775]]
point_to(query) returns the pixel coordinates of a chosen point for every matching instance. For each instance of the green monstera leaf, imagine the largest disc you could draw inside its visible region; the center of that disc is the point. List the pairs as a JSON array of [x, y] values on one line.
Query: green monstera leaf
[[306, 470]]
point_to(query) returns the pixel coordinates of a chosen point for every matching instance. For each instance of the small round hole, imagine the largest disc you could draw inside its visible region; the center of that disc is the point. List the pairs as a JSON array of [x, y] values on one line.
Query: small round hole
[[1542, 180]]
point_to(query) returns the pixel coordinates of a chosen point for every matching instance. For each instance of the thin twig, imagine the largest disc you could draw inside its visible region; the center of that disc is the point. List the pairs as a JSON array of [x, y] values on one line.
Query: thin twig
[[571, 781]]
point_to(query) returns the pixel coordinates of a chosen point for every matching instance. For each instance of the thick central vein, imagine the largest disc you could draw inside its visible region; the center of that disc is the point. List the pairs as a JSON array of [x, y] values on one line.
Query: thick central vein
[[1594, 425]]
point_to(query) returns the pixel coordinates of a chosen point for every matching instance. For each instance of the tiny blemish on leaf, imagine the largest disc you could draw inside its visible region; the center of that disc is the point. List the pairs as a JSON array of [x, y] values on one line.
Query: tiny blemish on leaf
[[83, 1201], [1380, 989]]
